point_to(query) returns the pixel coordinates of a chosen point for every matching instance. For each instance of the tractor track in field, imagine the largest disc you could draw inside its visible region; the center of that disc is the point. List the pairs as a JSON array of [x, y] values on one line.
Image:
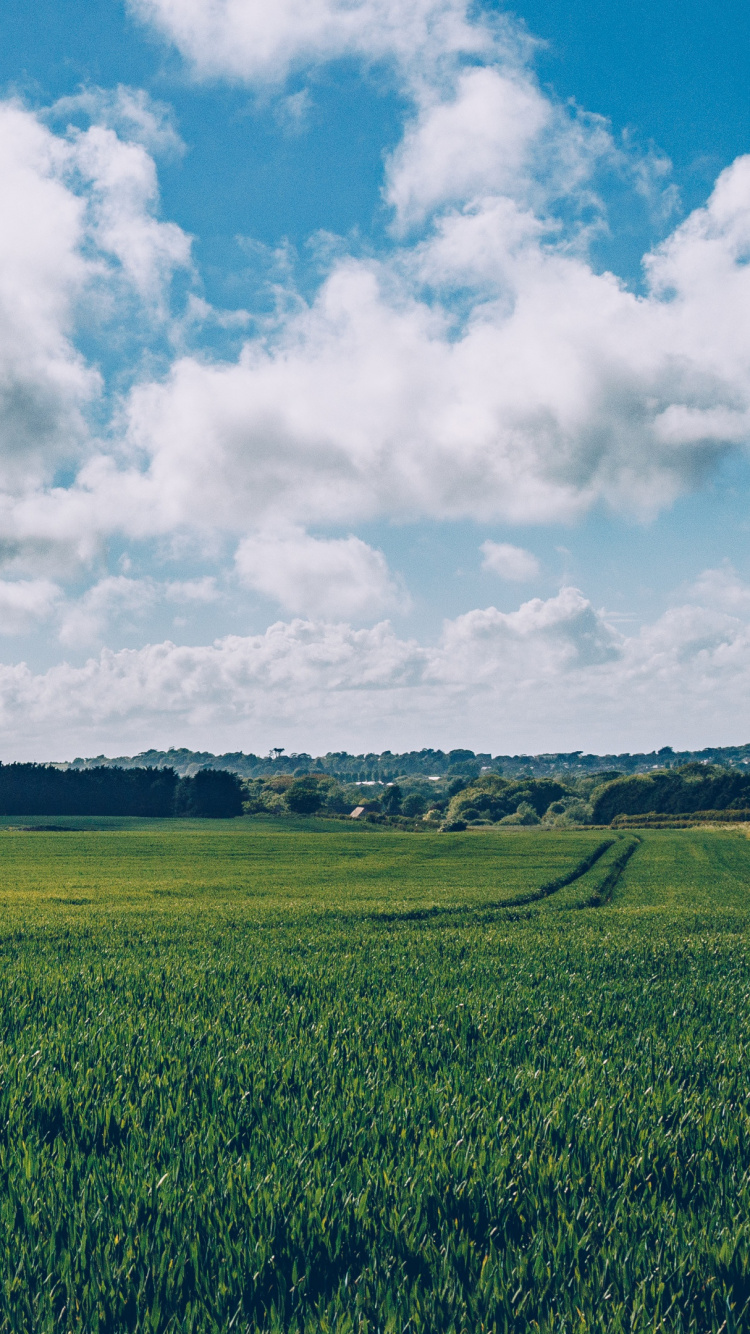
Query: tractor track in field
[[487, 911]]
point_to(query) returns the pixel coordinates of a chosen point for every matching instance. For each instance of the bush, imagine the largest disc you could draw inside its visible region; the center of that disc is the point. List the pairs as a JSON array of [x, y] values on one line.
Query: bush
[[562, 814], [493, 798], [304, 796], [414, 804], [525, 815]]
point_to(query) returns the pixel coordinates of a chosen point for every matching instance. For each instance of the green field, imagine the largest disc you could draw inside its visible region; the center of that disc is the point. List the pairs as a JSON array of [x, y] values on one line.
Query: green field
[[261, 1076]]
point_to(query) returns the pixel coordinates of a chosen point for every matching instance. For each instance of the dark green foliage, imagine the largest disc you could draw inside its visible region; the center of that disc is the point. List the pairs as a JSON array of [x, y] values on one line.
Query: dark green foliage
[[390, 802], [45, 790], [414, 804], [692, 787], [42, 789], [494, 798], [652, 821], [211, 793], [304, 797], [567, 766]]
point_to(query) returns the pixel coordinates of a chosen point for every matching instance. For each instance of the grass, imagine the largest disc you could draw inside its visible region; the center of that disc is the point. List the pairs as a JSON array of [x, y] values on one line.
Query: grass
[[332, 1078], [689, 869], [256, 868]]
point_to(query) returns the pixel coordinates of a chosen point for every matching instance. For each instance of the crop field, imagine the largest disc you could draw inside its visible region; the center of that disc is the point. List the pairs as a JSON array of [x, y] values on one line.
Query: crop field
[[312, 1077]]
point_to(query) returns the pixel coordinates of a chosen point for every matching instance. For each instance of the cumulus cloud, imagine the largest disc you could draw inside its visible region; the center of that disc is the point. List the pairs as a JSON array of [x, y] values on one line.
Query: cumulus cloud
[[26, 603], [500, 115], [86, 621], [551, 675], [723, 589], [483, 369], [326, 577], [130, 112], [540, 641], [253, 42], [509, 562], [44, 381], [123, 601], [192, 590], [122, 198], [495, 133], [560, 389], [81, 241]]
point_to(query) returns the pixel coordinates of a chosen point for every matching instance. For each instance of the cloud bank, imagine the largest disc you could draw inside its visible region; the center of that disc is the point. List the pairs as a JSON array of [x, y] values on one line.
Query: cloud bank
[[552, 675]]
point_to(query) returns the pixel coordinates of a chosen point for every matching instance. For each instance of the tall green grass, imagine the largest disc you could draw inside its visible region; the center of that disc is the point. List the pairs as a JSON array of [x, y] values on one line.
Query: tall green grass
[[247, 1087]]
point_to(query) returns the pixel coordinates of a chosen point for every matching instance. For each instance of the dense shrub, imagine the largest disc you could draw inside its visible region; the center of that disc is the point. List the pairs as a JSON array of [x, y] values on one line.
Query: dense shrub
[[414, 804], [304, 797], [494, 798], [692, 787], [525, 814]]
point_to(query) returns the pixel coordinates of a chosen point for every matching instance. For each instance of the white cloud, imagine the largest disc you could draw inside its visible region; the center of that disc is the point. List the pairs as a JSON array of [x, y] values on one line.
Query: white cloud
[[293, 112], [477, 143], [486, 371], [192, 590], [130, 112], [325, 577], [81, 246], [254, 42], [540, 641], [44, 382], [509, 562], [120, 600], [559, 389], [552, 675], [723, 590], [86, 621], [25, 603], [123, 195]]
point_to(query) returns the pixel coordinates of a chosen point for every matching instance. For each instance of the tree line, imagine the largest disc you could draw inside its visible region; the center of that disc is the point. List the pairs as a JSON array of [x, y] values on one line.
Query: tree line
[[388, 766], [43, 789]]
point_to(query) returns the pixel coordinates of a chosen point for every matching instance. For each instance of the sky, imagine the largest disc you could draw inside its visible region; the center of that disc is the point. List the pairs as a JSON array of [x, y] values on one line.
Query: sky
[[374, 375]]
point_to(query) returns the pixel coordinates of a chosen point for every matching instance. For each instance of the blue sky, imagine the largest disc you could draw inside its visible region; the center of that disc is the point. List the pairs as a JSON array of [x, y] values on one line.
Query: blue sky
[[338, 407]]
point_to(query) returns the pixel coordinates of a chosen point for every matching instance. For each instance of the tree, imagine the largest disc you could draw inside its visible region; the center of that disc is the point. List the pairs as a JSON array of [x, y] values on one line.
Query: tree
[[212, 793], [304, 796], [414, 804], [390, 802]]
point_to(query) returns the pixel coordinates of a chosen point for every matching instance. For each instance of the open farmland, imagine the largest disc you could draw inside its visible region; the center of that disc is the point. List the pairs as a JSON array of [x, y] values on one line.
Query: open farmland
[[313, 1077]]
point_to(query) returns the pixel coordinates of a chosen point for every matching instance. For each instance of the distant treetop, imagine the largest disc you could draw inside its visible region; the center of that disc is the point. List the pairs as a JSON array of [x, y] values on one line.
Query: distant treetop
[[387, 766]]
